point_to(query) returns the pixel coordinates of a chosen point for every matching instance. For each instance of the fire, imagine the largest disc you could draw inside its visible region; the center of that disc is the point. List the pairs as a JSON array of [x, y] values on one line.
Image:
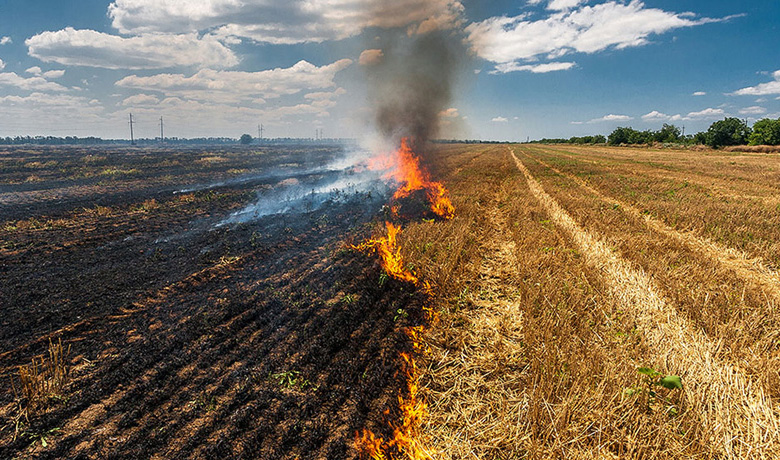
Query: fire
[[412, 177], [390, 254], [405, 438]]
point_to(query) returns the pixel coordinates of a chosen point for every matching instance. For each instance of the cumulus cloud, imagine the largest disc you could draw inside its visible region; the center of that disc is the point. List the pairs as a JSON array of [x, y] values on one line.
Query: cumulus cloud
[[292, 21], [533, 68], [762, 89], [152, 51], [611, 117], [2, 64], [705, 114], [371, 57], [11, 79], [140, 100], [5, 40], [699, 93], [563, 4], [222, 85], [499, 120], [585, 29], [658, 116], [754, 110]]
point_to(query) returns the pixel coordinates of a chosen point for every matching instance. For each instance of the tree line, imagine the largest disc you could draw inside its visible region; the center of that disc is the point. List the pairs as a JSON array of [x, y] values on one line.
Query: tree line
[[726, 132], [729, 131]]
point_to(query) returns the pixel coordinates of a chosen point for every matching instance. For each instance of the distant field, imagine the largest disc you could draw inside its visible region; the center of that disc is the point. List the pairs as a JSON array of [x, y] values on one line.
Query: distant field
[[568, 268], [564, 271]]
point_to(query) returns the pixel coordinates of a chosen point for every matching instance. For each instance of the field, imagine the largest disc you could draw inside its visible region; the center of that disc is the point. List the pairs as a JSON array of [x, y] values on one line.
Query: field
[[565, 270]]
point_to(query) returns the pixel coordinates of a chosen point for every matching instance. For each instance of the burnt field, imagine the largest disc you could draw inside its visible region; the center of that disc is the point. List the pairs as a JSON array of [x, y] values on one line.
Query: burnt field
[[208, 297]]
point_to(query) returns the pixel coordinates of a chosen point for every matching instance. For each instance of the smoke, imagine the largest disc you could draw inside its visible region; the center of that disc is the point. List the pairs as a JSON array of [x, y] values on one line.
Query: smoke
[[413, 83], [346, 179]]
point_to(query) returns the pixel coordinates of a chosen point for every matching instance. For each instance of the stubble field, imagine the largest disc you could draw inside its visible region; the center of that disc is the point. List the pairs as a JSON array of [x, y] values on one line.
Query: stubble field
[[564, 271]]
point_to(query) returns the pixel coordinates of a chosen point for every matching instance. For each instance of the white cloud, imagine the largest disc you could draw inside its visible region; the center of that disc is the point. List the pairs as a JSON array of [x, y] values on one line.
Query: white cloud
[[371, 57], [140, 100], [587, 29], [533, 68], [154, 51], [2, 64], [51, 74], [754, 110], [499, 120], [611, 117], [292, 21], [563, 4], [452, 112], [11, 79], [762, 89], [655, 116], [232, 86], [705, 114], [35, 70], [699, 93], [5, 40]]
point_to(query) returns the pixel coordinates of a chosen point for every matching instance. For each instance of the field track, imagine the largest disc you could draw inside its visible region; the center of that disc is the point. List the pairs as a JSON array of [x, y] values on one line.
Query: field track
[[738, 414], [566, 266]]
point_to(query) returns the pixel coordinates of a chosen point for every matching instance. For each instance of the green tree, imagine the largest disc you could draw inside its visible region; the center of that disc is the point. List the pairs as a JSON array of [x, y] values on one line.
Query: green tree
[[246, 139], [729, 131], [765, 132], [621, 136], [668, 133]]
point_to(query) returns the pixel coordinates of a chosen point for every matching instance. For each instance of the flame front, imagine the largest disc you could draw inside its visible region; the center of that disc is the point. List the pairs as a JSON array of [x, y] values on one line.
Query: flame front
[[414, 177], [405, 441]]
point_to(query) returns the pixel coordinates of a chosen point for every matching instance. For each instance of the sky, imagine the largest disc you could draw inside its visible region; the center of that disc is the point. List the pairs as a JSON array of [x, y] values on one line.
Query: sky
[[530, 68]]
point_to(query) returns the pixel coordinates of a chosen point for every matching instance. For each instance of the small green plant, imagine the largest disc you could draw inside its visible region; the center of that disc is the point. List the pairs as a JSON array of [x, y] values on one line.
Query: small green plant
[[349, 299], [41, 436], [207, 403], [400, 314], [383, 277], [291, 380], [652, 380]]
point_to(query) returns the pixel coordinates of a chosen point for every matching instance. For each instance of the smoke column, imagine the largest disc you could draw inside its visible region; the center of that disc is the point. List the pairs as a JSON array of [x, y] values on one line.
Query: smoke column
[[414, 83]]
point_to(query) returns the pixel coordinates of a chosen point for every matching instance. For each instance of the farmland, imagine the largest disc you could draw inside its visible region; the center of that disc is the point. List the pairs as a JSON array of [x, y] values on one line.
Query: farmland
[[564, 270]]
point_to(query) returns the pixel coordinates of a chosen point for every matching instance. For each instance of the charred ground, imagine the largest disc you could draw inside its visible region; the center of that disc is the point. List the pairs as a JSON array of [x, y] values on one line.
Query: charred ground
[[266, 339]]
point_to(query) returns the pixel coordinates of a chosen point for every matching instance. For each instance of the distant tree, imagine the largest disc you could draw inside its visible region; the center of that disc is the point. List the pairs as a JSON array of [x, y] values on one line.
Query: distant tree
[[599, 139], [729, 131], [765, 132], [620, 136], [246, 139], [668, 133]]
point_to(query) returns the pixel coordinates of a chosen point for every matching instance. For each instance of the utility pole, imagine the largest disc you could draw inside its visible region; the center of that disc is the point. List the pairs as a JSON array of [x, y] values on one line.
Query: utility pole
[[162, 135], [260, 131], [132, 139]]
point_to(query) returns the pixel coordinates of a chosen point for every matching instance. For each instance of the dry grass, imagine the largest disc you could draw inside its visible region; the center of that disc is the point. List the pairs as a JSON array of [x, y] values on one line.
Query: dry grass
[[728, 198], [40, 381], [753, 148], [532, 353], [732, 298], [740, 418]]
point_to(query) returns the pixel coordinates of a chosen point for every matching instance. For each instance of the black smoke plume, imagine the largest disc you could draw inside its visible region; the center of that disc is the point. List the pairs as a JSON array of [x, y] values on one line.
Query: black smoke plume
[[414, 83]]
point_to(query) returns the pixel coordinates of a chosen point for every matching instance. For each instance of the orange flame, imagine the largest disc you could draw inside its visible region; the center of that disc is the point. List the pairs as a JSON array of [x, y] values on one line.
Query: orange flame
[[390, 254], [405, 440], [414, 177]]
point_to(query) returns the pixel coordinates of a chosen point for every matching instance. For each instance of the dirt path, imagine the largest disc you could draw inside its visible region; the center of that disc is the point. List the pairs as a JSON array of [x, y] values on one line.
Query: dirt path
[[739, 416], [753, 270]]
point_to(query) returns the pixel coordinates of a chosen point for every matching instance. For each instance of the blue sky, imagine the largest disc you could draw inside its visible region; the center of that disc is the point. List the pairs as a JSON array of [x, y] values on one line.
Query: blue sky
[[533, 68]]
